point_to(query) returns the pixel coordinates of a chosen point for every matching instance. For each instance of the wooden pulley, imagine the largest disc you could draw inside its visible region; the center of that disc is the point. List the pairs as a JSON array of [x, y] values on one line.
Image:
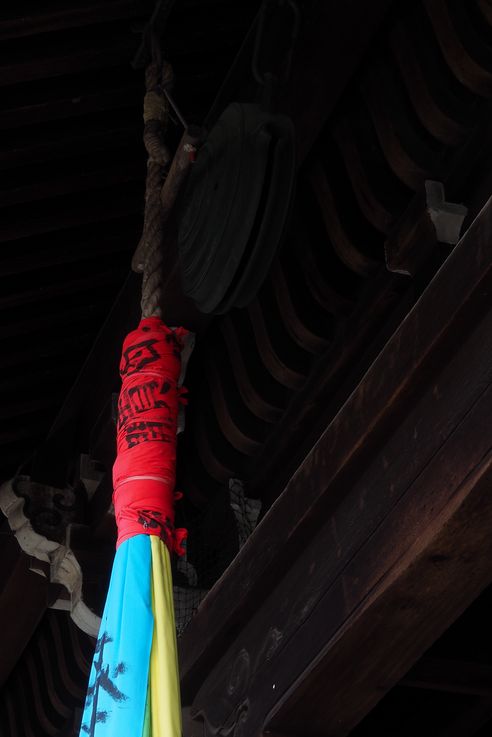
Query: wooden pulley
[[235, 207]]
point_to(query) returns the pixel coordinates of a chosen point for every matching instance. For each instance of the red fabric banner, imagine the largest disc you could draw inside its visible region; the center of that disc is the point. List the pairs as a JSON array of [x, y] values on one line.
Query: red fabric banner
[[144, 473]]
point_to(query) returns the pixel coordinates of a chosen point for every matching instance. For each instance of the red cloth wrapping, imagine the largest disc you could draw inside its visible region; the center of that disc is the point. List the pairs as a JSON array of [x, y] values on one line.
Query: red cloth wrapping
[[144, 473]]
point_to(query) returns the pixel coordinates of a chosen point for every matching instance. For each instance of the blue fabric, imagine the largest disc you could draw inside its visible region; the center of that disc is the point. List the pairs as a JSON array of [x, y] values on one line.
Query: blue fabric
[[117, 693]]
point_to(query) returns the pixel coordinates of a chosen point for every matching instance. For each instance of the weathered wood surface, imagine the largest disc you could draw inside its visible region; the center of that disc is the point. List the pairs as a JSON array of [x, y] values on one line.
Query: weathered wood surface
[[326, 45], [54, 19], [379, 540], [471, 721], [305, 417], [25, 596], [400, 593], [450, 676]]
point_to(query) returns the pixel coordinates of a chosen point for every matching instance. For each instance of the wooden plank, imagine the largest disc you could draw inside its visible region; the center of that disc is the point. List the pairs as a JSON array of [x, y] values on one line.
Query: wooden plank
[[51, 19], [90, 392], [330, 41], [471, 721], [86, 138], [86, 283], [450, 676], [75, 346], [426, 339], [306, 416], [75, 250], [427, 589], [108, 174], [79, 103], [68, 212], [347, 251], [115, 52], [22, 604], [402, 555]]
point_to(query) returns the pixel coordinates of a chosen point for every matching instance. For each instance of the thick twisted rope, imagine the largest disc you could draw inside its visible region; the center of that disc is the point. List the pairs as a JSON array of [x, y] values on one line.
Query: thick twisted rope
[[160, 198], [156, 109]]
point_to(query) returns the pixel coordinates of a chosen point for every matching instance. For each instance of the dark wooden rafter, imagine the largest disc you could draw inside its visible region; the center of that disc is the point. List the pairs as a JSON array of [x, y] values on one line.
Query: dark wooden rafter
[[382, 542], [297, 377], [57, 17], [83, 284], [25, 597], [77, 248], [49, 702], [82, 163], [471, 721], [98, 176], [318, 399], [360, 203], [84, 100], [74, 141], [73, 168], [313, 91], [70, 59], [63, 212], [322, 47], [450, 676], [439, 124]]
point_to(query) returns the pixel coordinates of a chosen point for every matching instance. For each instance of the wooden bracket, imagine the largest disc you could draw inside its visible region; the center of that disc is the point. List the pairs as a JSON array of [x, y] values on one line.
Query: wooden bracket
[[428, 220]]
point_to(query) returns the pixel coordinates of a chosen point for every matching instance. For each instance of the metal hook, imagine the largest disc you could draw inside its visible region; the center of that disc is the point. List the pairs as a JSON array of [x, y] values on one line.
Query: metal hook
[[260, 77]]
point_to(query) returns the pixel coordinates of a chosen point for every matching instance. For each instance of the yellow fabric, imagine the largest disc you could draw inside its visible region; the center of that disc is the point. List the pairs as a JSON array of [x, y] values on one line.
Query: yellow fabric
[[147, 728], [164, 673]]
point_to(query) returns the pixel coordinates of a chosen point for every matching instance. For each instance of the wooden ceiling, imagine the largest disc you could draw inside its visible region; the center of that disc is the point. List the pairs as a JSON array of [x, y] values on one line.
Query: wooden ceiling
[[383, 96], [72, 171]]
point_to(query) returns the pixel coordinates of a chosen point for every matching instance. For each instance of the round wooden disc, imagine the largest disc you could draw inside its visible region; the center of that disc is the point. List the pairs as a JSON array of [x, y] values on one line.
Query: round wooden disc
[[234, 207]]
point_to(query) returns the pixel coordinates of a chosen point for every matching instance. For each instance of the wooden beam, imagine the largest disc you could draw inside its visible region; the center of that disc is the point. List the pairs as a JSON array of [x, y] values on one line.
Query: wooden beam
[[321, 396], [74, 250], [450, 676], [33, 149], [67, 212], [105, 176], [398, 617], [377, 609], [327, 54], [77, 104], [23, 601], [114, 53], [70, 432], [85, 283], [21, 25], [378, 541], [471, 721]]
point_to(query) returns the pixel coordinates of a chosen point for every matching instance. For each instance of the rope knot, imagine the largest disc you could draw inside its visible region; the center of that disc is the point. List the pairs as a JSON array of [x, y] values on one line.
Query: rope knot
[[155, 107]]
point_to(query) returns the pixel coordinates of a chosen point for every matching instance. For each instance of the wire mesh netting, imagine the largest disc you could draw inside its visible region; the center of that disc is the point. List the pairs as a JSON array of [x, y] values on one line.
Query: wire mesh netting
[[214, 539]]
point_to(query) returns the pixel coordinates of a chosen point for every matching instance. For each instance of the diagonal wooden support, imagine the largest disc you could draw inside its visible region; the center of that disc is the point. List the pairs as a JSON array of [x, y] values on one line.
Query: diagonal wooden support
[[26, 593], [378, 542], [450, 676]]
